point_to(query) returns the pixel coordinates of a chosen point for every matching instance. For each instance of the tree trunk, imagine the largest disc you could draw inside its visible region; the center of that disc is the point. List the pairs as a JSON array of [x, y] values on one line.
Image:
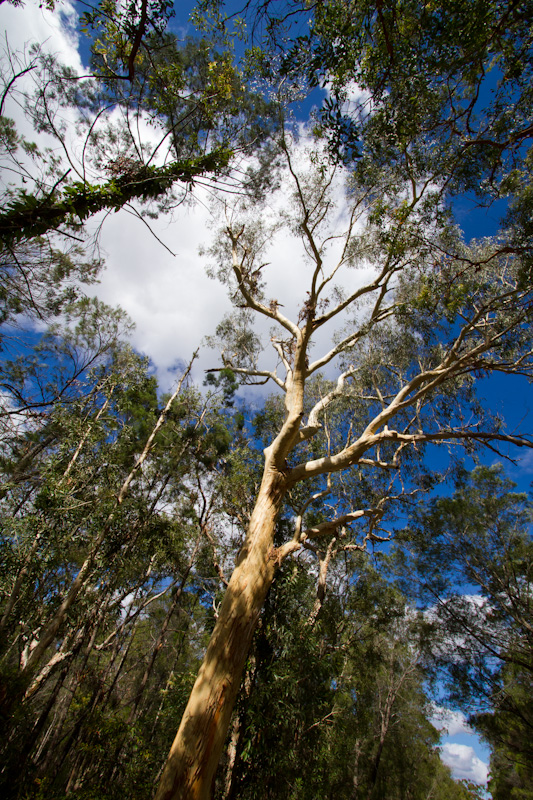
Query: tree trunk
[[15, 592], [231, 777], [50, 630], [162, 635], [193, 759]]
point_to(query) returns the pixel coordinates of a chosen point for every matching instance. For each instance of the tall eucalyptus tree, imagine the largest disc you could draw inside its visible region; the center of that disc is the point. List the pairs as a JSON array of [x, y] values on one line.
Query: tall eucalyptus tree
[[419, 315], [422, 107]]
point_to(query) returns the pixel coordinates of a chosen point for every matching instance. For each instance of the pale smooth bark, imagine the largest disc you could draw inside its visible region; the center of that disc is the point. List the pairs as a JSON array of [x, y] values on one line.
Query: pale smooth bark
[[191, 765], [17, 586], [193, 759]]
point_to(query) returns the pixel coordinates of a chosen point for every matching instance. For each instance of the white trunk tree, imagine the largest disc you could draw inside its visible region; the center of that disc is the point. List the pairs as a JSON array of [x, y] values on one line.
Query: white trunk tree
[[416, 321]]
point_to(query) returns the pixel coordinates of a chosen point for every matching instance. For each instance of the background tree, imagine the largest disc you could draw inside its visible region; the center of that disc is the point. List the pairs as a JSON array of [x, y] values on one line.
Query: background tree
[[473, 556], [423, 97], [430, 314], [332, 705], [108, 506]]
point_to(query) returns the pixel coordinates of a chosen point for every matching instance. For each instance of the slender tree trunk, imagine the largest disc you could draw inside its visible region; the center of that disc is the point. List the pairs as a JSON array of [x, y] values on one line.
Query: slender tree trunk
[[15, 592], [27, 561], [161, 638], [233, 755], [193, 759], [70, 645], [355, 768], [50, 754], [386, 717], [15, 772], [168, 684], [53, 753], [50, 630], [85, 436]]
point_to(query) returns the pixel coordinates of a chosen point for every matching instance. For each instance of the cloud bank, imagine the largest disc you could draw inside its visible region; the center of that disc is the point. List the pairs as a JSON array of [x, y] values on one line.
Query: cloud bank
[[464, 763]]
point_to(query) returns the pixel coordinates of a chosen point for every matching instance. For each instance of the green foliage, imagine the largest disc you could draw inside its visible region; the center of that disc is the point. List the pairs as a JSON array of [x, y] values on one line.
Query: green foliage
[[225, 381], [149, 565], [310, 715], [191, 92], [54, 275], [480, 540], [141, 547], [506, 729], [417, 96]]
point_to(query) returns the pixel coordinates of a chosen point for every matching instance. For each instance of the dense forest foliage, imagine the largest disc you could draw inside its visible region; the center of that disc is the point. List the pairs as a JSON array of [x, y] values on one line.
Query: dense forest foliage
[[302, 578]]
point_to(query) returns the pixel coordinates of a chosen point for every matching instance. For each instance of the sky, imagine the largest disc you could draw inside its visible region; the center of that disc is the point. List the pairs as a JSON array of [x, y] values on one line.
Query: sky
[[175, 305], [461, 749]]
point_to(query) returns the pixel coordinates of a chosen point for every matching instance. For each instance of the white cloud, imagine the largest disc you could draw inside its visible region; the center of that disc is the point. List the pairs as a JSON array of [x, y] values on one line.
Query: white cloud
[[170, 298], [356, 98], [450, 722], [55, 30], [525, 465], [478, 603], [460, 757], [11, 424], [464, 763]]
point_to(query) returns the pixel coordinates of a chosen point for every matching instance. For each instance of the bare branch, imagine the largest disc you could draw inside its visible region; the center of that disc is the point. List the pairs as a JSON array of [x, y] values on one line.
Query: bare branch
[[272, 312]]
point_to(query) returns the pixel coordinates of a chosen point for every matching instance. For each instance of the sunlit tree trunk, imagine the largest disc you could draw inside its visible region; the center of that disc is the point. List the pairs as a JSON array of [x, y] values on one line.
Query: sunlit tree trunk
[[391, 389], [191, 765], [190, 768]]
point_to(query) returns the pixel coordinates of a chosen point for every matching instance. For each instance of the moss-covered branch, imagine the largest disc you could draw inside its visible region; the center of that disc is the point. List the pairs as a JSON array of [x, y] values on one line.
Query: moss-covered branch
[[27, 215]]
